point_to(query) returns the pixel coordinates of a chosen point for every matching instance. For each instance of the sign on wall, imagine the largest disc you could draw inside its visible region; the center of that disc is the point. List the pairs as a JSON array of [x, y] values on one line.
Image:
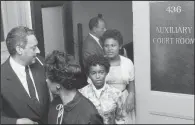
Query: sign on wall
[[172, 46]]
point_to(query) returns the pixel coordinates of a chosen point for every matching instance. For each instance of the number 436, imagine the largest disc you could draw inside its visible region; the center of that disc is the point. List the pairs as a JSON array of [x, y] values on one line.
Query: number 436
[[173, 9]]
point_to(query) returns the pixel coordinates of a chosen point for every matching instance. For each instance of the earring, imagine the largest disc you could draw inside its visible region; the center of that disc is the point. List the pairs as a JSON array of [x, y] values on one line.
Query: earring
[[58, 87]]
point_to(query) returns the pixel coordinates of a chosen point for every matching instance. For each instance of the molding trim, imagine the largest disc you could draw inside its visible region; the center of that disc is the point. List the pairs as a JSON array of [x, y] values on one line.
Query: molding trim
[[171, 115]]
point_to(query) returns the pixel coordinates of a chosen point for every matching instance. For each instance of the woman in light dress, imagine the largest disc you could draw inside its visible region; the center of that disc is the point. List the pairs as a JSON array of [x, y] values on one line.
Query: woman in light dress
[[121, 74]]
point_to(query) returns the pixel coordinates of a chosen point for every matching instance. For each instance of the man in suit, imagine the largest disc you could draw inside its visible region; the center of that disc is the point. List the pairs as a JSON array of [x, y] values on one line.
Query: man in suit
[[92, 44], [24, 92]]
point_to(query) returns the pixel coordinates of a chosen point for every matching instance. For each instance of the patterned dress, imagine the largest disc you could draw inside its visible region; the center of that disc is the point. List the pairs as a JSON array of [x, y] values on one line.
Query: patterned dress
[[108, 102]]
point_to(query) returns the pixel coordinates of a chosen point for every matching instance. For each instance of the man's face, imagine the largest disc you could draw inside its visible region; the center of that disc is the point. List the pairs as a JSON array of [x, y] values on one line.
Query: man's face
[[30, 51], [100, 29]]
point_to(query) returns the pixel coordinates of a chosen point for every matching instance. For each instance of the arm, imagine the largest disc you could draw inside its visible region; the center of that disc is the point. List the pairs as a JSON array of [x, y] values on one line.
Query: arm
[[130, 100], [131, 87], [7, 120], [4, 118]]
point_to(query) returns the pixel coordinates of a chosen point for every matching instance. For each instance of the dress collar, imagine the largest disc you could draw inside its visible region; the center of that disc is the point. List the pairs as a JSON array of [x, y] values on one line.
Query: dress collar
[[96, 91], [69, 106]]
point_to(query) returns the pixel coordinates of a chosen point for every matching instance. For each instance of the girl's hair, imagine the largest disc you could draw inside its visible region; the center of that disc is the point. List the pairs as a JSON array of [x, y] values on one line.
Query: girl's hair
[[94, 60]]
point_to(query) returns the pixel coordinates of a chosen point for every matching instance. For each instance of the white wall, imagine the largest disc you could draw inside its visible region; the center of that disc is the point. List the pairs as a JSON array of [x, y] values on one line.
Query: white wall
[[14, 13], [53, 29], [117, 14], [141, 58]]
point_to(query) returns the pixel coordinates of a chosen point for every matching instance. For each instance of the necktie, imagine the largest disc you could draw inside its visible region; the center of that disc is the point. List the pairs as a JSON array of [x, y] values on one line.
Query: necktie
[[31, 87]]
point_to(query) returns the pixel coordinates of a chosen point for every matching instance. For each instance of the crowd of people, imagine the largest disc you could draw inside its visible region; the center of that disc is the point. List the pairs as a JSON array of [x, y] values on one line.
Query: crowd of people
[[37, 90]]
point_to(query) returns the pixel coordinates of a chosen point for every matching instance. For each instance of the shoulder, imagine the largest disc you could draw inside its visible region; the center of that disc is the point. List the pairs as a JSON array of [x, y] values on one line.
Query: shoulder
[[88, 38], [89, 41], [5, 68], [85, 90], [126, 61], [4, 65], [87, 105]]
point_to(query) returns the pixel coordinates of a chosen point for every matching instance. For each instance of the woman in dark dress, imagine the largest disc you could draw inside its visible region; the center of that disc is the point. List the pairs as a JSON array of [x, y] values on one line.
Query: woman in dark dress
[[68, 106]]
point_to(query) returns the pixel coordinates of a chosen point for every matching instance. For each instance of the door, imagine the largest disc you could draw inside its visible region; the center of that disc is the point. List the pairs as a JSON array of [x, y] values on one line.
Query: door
[[52, 22], [164, 70]]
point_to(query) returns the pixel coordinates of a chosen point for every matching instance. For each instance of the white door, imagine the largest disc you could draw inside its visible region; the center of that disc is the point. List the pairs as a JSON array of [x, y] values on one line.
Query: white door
[[157, 105], [53, 29]]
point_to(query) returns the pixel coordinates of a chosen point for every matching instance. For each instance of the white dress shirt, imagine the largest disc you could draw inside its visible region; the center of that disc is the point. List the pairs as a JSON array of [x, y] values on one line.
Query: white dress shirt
[[96, 39], [21, 74]]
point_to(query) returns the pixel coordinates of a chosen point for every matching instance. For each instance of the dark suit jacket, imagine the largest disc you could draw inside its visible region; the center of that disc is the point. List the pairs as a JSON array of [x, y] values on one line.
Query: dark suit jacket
[[90, 47], [15, 102]]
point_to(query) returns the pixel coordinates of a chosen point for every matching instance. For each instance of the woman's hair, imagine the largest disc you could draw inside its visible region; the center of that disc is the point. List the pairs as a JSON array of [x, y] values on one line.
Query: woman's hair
[[114, 34], [60, 70], [94, 60]]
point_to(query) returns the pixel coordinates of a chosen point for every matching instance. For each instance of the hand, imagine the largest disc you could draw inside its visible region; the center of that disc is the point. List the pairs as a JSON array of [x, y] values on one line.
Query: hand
[[25, 121], [129, 103]]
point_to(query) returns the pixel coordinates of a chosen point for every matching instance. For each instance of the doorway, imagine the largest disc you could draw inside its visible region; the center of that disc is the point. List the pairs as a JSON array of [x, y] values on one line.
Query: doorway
[[52, 23]]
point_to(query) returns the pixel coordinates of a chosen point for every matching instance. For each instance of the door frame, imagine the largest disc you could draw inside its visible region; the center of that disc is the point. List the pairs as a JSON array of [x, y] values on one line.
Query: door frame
[[154, 107], [37, 23]]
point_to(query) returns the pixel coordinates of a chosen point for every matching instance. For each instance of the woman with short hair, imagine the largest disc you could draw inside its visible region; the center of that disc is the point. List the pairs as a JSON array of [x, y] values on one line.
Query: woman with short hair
[[121, 74], [69, 106]]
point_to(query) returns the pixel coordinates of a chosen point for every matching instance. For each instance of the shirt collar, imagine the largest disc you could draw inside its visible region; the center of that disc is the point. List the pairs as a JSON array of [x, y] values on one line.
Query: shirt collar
[[16, 66], [96, 39], [99, 90]]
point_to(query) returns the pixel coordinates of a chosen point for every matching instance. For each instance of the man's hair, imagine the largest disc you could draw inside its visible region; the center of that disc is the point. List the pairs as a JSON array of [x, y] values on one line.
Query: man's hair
[[114, 34], [95, 21], [17, 37], [94, 60], [59, 69]]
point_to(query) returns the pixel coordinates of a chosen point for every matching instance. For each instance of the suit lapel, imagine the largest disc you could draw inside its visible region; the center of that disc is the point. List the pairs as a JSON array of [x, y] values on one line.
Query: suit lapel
[[95, 42], [14, 83]]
